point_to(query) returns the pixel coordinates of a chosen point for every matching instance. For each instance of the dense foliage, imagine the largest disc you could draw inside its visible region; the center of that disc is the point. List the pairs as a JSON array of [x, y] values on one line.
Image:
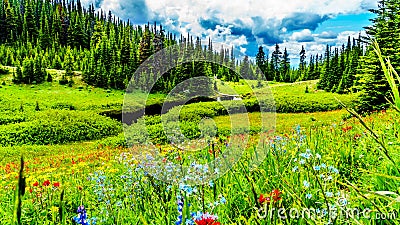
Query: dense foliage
[[371, 79], [58, 126]]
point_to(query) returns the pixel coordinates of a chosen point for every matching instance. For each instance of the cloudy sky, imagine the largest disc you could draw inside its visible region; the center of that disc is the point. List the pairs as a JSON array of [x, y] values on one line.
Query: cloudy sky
[[246, 24]]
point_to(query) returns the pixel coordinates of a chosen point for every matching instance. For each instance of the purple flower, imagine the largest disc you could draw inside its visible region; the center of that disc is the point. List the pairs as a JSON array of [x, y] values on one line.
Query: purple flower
[[82, 217]]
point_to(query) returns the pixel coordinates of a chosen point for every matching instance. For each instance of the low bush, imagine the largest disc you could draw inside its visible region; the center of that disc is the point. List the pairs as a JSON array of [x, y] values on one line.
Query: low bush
[[9, 117], [58, 126], [113, 141], [63, 105]]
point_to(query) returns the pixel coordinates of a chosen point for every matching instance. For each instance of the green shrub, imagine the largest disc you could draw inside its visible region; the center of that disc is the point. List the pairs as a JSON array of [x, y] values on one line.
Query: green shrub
[[11, 117], [58, 126], [114, 141], [63, 105]]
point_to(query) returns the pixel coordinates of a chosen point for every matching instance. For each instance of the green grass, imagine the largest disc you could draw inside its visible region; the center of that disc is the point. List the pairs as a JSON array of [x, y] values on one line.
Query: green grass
[[249, 86], [80, 96], [242, 87], [284, 122], [115, 189]]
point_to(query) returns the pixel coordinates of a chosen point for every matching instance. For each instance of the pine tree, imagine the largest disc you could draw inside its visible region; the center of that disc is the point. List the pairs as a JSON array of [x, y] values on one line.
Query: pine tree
[[245, 70], [302, 65], [385, 30], [326, 72], [69, 68], [372, 84], [275, 62], [285, 67], [261, 60], [28, 71]]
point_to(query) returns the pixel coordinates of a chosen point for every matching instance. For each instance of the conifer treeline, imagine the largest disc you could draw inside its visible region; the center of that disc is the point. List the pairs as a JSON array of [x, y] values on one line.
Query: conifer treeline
[[336, 69], [339, 69], [38, 34]]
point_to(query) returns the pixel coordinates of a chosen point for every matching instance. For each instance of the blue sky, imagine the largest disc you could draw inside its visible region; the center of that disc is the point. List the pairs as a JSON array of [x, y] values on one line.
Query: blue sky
[[248, 24]]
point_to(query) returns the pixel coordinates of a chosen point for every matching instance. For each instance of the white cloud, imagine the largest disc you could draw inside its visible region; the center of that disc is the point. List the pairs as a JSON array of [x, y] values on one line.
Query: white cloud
[[242, 50], [302, 36]]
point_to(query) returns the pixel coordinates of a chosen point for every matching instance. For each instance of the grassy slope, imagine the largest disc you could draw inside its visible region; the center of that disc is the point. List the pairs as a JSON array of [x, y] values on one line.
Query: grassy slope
[[284, 122], [82, 97]]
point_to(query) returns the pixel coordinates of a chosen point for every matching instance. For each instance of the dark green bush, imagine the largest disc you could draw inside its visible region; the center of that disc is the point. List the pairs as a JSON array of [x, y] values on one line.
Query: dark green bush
[[63, 105], [11, 117], [3, 70], [57, 127]]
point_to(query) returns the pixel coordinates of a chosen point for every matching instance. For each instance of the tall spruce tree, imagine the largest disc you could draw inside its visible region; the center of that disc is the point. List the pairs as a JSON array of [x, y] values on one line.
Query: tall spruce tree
[[275, 63], [370, 79]]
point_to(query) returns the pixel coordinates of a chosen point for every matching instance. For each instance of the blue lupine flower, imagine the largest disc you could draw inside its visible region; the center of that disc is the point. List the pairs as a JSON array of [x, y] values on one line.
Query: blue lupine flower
[[82, 216], [222, 200], [295, 169], [308, 196], [328, 194], [306, 184], [317, 168]]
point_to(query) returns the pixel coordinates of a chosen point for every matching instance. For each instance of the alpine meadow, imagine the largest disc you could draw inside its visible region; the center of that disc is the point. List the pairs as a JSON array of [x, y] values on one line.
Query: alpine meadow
[[199, 112]]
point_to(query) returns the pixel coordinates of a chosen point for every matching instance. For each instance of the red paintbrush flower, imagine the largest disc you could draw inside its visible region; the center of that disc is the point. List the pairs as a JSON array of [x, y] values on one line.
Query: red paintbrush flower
[[263, 199], [345, 129], [36, 184], [46, 183], [56, 184], [207, 219], [276, 195]]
